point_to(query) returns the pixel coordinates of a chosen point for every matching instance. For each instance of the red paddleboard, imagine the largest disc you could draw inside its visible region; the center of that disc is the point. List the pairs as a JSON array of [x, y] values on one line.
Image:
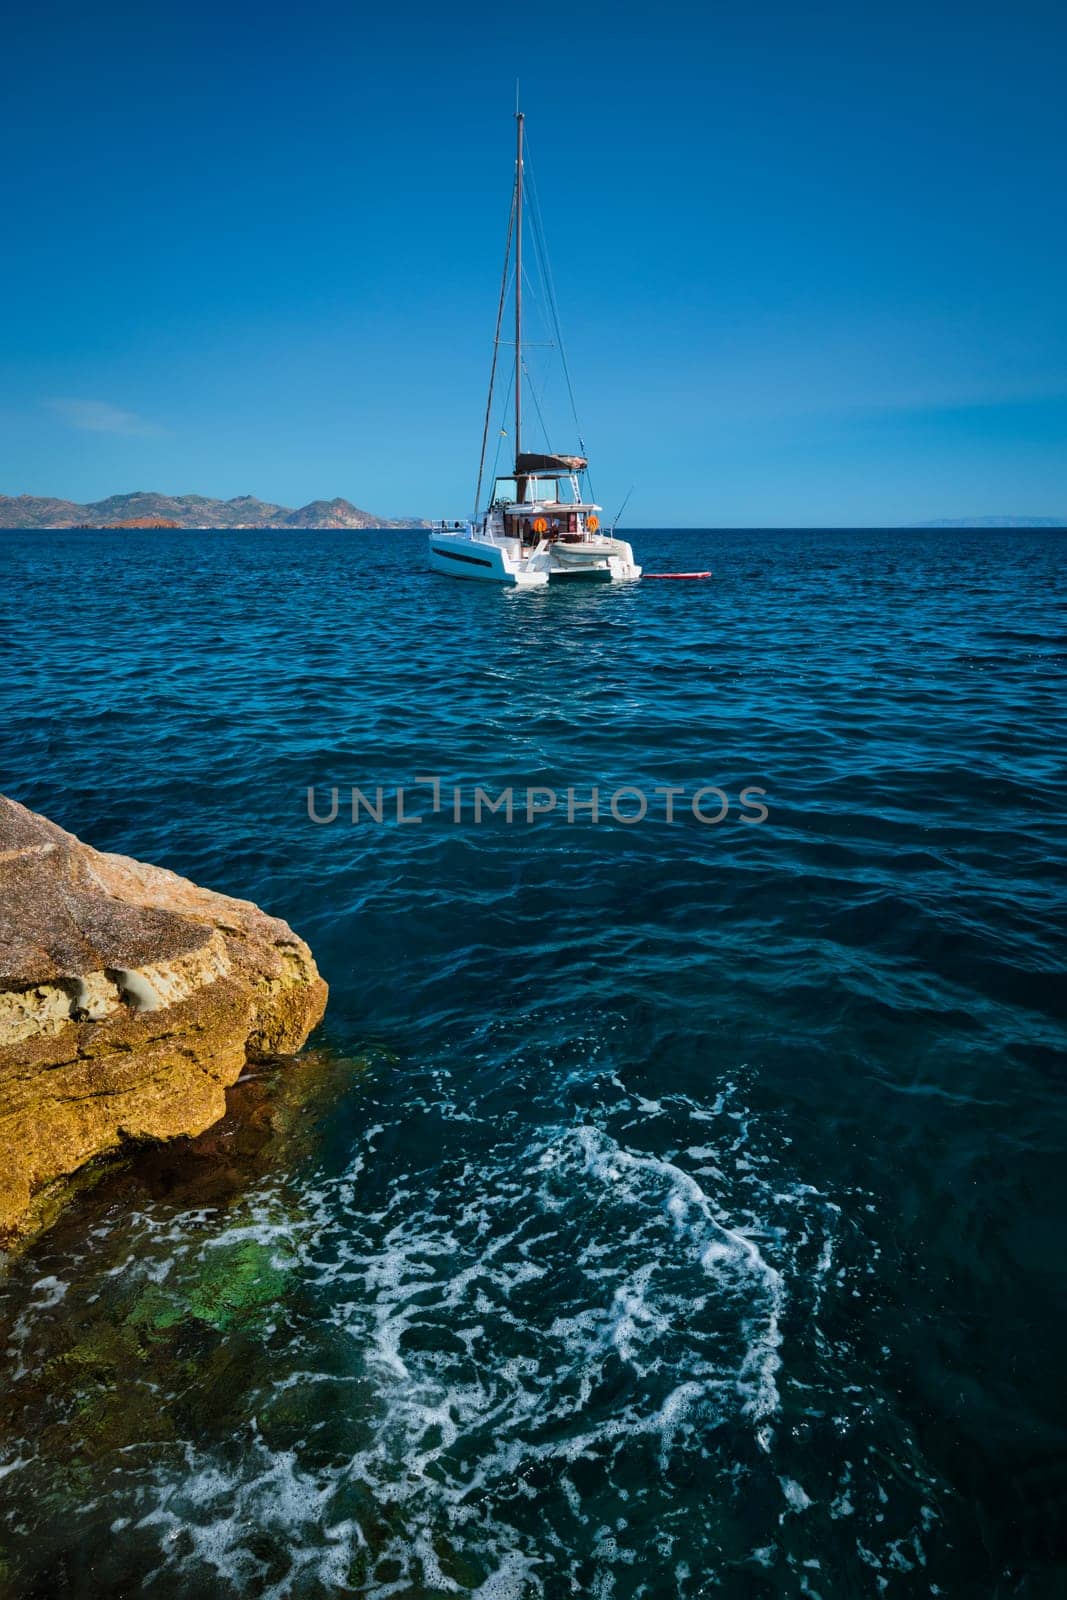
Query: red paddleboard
[[676, 574]]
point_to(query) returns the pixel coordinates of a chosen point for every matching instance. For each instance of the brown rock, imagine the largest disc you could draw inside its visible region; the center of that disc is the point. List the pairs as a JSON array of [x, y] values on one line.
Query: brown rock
[[129, 1000]]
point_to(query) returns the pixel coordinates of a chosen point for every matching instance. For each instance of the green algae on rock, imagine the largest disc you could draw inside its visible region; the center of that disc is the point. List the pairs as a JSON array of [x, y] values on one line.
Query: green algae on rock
[[236, 1282]]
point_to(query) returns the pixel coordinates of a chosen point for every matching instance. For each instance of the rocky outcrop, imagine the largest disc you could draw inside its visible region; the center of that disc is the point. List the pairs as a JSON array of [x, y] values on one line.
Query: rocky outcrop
[[129, 1000]]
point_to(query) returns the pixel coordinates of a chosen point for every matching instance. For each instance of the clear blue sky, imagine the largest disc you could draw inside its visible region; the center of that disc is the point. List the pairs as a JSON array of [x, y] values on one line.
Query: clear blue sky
[[811, 259]]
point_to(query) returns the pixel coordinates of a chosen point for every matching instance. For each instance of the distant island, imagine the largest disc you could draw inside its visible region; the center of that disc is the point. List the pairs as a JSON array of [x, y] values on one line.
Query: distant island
[[142, 510], [133, 522], [995, 522]]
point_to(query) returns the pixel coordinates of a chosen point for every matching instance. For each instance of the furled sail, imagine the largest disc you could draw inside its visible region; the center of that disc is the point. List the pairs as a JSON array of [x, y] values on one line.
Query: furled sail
[[530, 466]]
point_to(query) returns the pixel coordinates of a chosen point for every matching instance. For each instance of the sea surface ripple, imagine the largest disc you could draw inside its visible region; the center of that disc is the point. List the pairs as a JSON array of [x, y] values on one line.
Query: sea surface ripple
[[663, 1209]]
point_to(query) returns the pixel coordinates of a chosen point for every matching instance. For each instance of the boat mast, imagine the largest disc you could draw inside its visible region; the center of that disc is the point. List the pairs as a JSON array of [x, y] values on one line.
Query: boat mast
[[519, 118]]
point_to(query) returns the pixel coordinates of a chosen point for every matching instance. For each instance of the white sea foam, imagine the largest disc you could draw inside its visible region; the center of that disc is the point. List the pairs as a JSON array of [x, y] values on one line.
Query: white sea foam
[[798, 1498], [530, 1329]]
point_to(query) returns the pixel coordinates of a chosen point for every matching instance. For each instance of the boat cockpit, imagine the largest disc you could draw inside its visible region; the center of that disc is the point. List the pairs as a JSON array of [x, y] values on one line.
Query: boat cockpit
[[542, 499]]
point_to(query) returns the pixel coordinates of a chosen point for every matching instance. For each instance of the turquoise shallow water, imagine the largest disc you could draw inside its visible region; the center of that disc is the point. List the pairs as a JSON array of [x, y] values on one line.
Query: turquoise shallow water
[[662, 1209]]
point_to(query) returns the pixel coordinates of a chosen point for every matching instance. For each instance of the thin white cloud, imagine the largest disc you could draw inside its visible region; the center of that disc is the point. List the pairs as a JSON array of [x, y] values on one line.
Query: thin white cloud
[[97, 416]]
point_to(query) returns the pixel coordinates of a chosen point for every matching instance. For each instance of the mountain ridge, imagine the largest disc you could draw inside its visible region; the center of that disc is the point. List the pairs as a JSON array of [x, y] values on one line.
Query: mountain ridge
[[189, 511]]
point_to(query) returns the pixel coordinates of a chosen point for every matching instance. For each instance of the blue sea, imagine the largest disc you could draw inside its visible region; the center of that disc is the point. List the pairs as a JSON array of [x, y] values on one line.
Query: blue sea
[[665, 1208]]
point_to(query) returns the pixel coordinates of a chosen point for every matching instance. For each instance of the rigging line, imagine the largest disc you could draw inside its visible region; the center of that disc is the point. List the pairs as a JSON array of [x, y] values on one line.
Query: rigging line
[[542, 257], [536, 292], [531, 379], [540, 246], [536, 344], [542, 251], [544, 392], [541, 296], [541, 292], [545, 260], [537, 407], [496, 347], [502, 431]]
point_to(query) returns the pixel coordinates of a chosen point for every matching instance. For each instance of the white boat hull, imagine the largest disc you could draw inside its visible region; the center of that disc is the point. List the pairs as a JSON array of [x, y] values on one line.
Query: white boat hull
[[458, 555]]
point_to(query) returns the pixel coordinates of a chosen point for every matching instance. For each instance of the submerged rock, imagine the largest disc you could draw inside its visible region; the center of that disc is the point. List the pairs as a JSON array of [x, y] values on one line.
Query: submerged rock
[[129, 1000]]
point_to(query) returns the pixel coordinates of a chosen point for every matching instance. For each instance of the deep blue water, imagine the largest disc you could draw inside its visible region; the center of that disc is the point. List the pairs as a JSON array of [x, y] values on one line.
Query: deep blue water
[[663, 1209]]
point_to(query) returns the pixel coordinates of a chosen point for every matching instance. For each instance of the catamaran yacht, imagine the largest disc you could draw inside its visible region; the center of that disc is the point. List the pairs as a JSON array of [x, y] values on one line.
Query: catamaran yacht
[[538, 525]]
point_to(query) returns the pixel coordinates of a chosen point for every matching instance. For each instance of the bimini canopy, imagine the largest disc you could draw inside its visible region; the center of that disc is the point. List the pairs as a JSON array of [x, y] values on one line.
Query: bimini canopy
[[531, 466]]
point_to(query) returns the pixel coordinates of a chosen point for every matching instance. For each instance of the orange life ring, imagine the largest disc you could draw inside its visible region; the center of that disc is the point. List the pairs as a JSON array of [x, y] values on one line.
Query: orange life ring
[[592, 523], [540, 525]]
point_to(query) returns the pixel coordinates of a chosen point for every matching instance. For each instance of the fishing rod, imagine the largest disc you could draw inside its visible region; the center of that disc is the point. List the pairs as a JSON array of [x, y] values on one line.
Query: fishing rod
[[622, 508]]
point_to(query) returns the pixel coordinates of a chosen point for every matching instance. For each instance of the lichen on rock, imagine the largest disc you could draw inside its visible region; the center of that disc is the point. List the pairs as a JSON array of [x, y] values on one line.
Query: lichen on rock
[[130, 999]]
